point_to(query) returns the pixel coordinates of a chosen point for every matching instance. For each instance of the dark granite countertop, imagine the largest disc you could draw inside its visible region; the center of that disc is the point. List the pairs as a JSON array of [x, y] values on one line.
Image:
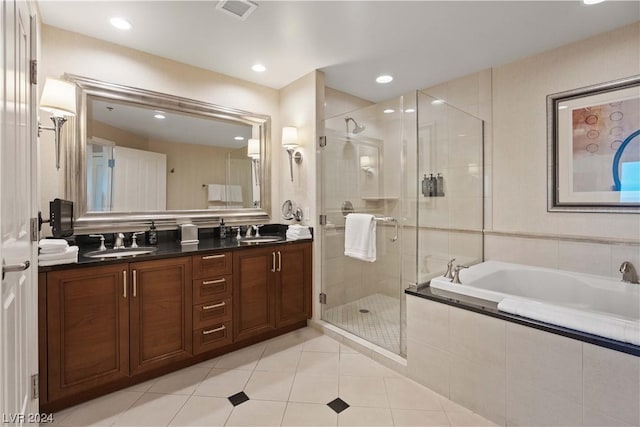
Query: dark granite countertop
[[490, 308], [169, 247]]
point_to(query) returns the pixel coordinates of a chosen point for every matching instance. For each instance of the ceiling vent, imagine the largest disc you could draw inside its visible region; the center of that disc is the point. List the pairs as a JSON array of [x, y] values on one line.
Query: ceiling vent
[[241, 9]]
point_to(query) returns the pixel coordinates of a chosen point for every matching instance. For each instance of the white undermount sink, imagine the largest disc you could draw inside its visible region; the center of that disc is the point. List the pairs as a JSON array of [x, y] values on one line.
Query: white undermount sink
[[259, 239], [119, 253]]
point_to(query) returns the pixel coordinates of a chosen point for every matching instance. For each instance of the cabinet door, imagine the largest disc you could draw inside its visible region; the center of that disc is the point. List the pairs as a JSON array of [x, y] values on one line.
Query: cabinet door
[[87, 328], [293, 291], [161, 300], [253, 291]]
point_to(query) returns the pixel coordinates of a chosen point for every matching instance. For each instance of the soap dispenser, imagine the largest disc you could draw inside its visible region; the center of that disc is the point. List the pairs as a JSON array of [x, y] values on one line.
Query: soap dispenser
[[439, 185], [152, 234], [425, 186], [223, 229], [431, 186]]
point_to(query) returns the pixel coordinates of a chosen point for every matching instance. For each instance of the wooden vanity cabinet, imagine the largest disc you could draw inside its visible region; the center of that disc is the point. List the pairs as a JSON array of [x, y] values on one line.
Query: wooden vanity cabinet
[[110, 322], [271, 288], [87, 329], [160, 310]]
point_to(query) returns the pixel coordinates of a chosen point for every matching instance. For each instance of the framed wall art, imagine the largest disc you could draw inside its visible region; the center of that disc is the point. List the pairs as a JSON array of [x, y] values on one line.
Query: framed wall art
[[594, 148]]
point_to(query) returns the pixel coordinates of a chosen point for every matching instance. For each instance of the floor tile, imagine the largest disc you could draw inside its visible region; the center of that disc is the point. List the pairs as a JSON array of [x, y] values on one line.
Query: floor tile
[[142, 387], [292, 341], [244, 359], [309, 414], [322, 344], [184, 381], [360, 365], [363, 391], [406, 394], [356, 416], [257, 413], [203, 411], [450, 406], [467, 419], [282, 361], [102, 411], [265, 385], [152, 409], [346, 349], [314, 388], [312, 363], [412, 417], [223, 383]]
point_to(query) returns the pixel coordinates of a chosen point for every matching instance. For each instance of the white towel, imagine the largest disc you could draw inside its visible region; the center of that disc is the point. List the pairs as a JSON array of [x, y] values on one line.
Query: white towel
[[360, 237], [53, 244], [216, 193], [53, 250], [71, 251], [69, 260], [234, 193], [298, 232]]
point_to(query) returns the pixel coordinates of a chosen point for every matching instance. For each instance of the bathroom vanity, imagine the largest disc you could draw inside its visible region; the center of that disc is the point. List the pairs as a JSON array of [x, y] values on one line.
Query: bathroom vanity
[[108, 324]]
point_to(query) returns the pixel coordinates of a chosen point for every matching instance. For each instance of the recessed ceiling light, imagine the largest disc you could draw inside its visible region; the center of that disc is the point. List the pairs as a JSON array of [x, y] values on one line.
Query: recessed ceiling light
[[120, 23], [590, 2], [238, 138], [410, 110], [160, 116], [389, 111], [437, 102], [259, 68], [384, 79]]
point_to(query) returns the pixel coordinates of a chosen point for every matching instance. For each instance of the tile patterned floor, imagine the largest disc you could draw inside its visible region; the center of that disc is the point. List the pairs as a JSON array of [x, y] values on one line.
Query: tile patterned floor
[[379, 325], [303, 378]]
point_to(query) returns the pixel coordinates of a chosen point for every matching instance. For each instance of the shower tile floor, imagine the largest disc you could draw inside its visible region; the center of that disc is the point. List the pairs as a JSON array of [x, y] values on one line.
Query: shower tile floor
[[380, 324]]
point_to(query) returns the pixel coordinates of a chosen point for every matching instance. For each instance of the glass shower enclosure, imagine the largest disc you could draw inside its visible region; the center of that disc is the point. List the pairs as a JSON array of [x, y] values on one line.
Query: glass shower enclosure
[[374, 160]]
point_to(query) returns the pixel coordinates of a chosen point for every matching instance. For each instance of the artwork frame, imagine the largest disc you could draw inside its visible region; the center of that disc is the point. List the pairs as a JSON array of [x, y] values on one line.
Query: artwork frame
[[593, 148]]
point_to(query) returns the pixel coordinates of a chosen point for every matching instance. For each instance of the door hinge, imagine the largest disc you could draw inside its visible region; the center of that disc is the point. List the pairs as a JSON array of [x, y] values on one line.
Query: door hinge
[[323, 298], [111, 163], [35, 386], [323, 220], [33, 65], [323, 141], [34, 228]]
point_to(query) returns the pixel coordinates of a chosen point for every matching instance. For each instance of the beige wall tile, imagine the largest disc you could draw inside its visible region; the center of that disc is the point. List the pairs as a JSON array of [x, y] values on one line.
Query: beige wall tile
[[529, 406], [548, 363], [584, 257], [612, 383], [478, 338], [428, 323], [428, 366]]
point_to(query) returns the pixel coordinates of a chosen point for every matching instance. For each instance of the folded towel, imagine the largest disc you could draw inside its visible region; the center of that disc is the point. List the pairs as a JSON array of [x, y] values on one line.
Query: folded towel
[[71, 251], [298, 236], [53, 250], [69, 260], [216, 193], [234, 193], [360, 237], [53, 243]]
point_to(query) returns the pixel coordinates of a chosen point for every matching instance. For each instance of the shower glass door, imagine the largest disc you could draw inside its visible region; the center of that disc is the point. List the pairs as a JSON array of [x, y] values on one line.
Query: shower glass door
[[362, 172]]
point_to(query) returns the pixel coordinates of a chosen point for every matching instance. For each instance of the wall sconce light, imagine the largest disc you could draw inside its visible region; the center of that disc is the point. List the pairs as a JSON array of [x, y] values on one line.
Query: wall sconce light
[[59, 98], [253, 152], [366, 164], [290, 143]]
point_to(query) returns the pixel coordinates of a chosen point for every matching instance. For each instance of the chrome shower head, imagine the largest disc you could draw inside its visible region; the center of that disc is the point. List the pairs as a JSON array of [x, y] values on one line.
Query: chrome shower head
[[358, 127]]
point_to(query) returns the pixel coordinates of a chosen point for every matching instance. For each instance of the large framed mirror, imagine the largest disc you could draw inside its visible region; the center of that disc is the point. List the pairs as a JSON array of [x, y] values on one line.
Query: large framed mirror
[[137, 156]]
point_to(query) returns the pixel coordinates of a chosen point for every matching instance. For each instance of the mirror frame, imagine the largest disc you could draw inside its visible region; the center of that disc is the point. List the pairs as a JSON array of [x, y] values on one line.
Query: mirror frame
[[75, 170]]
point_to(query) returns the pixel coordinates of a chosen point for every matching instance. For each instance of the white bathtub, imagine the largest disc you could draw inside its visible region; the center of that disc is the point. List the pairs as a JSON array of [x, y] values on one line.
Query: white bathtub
[[594, 304]]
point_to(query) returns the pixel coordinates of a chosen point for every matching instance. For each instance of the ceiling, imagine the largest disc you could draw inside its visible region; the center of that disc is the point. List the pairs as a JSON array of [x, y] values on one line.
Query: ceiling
[[420, 43]]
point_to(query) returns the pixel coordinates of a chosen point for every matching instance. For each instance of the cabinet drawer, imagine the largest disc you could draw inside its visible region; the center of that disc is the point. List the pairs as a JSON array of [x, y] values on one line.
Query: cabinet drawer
[[211, 313], [209, 265], [212, 337], [212, 288]]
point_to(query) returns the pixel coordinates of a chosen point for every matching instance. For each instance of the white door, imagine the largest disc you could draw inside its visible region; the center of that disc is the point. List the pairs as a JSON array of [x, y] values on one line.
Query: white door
[[18, 312], [139, 180]]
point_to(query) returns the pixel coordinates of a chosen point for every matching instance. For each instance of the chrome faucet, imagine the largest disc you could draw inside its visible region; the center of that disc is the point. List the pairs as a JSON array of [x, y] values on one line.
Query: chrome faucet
[[449, 272], [456, 274], [248, 233], [629, 273], [119, 244], [253, 227], [101, 237]]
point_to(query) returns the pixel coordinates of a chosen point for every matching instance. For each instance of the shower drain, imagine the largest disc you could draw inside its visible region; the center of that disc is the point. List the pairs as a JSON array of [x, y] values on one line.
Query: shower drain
[[364, 310]]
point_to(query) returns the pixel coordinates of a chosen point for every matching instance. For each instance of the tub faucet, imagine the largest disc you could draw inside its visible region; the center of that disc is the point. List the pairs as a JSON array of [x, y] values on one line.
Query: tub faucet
[[629, 273], [456, 274], [449, 273]]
